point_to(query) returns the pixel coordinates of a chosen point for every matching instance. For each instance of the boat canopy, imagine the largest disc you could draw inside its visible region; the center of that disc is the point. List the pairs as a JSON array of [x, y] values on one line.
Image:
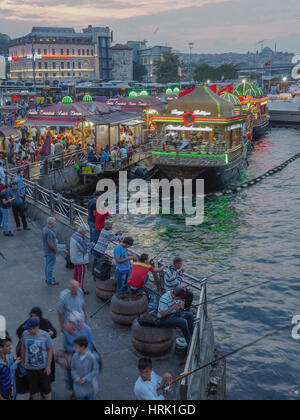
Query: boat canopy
[[202, 102], [231, 98]]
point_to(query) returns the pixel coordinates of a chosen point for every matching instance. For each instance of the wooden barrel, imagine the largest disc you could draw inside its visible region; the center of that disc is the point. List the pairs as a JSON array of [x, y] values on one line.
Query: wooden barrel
[[125, 307], [152, 341], [105, 289]]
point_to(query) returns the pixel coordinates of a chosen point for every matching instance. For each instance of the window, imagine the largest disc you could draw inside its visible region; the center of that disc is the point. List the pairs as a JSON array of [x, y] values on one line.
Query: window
[[62, 65], [73, 52], [61, 52], [40, 66], [79, 52], [45, 65], [79, 65], [54, 74], [54, 65], [62, 74], [83, 52], [40, 74], [68, 65], [68, 52], [92, 52], [53, 51], [46, 74], [39, 51], [45, 52], [87, 52], [73, 64]]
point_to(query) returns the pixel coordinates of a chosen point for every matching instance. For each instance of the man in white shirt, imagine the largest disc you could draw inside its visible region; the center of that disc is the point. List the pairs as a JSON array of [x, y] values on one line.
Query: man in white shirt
[[148, 383]]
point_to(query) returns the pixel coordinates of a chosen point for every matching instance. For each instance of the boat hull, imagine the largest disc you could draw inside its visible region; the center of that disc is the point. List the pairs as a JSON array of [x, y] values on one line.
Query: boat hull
[[285, 117], [260, 130], [215, 178]]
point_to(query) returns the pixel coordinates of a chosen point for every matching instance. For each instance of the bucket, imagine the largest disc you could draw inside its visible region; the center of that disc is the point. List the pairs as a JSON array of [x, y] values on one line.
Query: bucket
[[181, 345]]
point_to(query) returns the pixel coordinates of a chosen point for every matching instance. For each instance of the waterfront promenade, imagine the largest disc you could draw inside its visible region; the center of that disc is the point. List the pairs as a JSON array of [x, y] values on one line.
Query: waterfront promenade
[[23, 287]]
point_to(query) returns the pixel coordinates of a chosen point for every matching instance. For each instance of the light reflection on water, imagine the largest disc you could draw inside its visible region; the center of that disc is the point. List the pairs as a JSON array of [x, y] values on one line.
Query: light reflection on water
[[256, 232]]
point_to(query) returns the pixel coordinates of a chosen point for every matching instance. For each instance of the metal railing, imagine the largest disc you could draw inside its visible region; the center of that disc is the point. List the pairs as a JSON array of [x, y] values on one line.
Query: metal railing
[[55, 204], [195, 357], [51, 163]]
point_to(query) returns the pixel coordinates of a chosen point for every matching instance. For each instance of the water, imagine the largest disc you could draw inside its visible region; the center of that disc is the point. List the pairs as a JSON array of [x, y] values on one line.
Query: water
[[256, 233]]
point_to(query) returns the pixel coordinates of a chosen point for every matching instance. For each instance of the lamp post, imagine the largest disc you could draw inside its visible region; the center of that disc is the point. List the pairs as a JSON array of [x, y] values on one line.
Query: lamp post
[[191, 46]]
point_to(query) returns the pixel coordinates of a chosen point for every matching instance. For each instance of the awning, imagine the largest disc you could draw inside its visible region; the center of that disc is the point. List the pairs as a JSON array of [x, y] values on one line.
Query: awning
[[116, 118], [8, 132], [52, 122]]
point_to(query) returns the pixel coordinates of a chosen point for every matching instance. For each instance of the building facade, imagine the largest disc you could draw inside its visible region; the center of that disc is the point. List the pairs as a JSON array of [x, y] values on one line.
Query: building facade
[[101, 39], [122, 63], [149, 57], [61, 54], [136, 47]]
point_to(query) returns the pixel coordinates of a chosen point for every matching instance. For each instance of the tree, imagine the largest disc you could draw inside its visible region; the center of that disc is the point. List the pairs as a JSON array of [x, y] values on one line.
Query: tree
[[227, 71], [139, 71], [167, 70], [204, 72]]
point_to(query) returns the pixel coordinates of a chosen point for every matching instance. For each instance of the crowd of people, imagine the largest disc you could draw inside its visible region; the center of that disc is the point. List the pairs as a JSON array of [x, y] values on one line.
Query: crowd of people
[[33, 368]]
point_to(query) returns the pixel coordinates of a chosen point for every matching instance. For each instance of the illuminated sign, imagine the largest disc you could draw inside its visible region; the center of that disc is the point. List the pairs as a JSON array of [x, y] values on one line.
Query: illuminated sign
[[184, 128]]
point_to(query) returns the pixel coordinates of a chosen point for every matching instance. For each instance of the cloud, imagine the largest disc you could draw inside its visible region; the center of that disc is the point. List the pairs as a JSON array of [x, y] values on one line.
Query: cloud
[[213, 25]]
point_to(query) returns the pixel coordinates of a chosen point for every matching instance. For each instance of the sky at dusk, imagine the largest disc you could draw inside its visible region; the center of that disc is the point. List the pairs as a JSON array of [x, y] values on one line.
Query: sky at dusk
[[213, 25]]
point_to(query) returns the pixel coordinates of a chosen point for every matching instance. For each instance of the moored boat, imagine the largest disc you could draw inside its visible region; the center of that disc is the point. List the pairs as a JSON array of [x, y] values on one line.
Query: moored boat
[[255, 101], [201, 136]]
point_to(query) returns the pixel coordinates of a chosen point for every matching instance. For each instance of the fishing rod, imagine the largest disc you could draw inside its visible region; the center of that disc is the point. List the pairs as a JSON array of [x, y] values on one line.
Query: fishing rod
[[99, 309], [233, 293], [185, 375]]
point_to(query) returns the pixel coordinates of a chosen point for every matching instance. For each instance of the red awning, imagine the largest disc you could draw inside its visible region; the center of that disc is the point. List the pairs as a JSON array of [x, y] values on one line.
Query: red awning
[[52, 122]]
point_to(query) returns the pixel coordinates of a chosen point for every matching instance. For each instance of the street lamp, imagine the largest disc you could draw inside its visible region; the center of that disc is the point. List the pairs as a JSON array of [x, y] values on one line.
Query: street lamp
[[191, 45], [284, 79]]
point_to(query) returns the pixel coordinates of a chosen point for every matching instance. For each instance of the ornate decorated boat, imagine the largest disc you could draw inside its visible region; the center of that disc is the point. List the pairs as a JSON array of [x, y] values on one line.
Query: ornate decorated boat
[[255, 101], [201, 136]]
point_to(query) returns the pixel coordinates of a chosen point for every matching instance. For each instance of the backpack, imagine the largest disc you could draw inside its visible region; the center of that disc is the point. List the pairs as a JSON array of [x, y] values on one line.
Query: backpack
[[148, 320], [102, 268]]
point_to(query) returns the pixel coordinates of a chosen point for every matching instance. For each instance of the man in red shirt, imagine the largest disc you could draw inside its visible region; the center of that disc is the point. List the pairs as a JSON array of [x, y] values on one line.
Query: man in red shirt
[[140, 271], [100, 218]]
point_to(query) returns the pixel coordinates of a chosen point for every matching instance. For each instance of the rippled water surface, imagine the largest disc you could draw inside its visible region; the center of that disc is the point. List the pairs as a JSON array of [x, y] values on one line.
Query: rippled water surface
[[255, 233]]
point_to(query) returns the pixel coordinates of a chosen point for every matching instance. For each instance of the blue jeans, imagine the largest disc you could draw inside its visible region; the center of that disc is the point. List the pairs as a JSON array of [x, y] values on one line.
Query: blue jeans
[[5, 221], [182, 320], [49, 267], [1, 216], [92, 232], [122, 278]]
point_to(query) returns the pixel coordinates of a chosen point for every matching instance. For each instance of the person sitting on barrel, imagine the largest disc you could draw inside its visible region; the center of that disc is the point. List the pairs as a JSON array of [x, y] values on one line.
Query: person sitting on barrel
[[173, 279], [139, 274], [171, 314]]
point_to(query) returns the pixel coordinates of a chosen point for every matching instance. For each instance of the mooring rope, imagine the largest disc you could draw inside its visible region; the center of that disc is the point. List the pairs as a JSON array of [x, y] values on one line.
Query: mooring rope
[[254, 181]]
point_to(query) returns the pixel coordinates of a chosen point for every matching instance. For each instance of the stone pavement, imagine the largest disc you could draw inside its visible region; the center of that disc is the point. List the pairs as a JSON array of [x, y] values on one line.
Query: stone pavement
[[22, 287]]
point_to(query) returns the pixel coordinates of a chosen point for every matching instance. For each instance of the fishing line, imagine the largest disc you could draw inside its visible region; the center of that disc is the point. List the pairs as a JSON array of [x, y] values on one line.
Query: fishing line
[[232, 293], [228, 355]]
